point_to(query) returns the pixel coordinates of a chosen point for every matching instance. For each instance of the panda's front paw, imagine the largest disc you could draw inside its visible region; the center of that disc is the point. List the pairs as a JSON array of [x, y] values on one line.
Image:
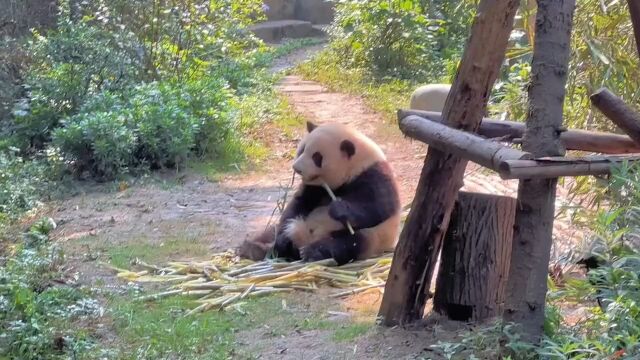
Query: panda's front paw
[[284, 248], [340, 210], [315, 252]]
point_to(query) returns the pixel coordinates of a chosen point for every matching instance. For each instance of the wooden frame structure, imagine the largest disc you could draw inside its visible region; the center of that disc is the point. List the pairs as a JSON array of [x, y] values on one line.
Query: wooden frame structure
[[460, 134]]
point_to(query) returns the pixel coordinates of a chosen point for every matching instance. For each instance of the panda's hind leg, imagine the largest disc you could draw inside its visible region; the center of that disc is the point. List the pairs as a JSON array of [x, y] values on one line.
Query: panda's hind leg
[[340, 245]]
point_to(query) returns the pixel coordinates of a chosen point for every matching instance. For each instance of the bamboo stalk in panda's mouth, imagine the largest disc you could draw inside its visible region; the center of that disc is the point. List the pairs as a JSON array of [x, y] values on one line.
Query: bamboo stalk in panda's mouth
[[333, 197]]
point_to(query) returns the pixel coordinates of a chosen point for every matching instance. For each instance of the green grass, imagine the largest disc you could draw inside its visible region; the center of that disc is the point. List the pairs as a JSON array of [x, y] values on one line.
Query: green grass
[[121, 255], [159, 330], [350, 332]]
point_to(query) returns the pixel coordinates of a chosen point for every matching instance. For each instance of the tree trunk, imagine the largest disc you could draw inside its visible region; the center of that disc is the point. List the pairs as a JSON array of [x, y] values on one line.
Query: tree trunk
[[475, 257], [527, 282], [421, 238], [634, 11]]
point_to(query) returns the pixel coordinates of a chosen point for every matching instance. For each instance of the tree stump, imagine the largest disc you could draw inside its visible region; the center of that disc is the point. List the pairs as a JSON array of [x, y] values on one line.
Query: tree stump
[[475, 258]]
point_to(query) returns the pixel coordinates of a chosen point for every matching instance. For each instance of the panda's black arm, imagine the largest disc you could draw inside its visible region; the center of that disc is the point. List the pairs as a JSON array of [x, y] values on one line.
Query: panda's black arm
[[303, 202], [368, 200]]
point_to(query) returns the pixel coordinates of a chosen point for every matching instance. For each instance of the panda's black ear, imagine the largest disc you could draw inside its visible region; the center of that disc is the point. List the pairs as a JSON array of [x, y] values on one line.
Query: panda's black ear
[[311, 126], [348, 148]]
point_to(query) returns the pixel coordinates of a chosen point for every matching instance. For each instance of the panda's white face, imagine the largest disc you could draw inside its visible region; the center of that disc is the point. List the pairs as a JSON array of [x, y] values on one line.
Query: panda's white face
[[319, 158], [334, 154]]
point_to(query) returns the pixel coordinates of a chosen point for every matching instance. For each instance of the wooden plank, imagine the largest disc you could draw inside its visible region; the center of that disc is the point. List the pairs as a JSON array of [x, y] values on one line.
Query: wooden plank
[[583, 140], [618, 112], [487, 153], [407, 287], [549, 168]]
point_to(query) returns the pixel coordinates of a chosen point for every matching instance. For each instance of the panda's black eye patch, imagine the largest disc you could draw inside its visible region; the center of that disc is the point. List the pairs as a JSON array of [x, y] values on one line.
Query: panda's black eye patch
[[317, 159], [348, 148]]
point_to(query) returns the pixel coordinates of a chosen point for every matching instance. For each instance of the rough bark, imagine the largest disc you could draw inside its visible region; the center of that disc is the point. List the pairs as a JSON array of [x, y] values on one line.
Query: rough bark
[[421, 238], [527, 283], [554, 167], [490, 154], [634, 10], [618, 112], [593, 141], [475, 257]]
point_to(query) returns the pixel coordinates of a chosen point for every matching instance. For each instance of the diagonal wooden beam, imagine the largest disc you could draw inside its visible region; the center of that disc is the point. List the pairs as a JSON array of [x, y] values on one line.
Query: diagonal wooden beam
[[618, 112]]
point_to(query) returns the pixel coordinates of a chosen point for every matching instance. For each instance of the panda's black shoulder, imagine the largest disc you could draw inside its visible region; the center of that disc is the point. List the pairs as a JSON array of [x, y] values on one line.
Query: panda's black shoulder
[[378, 178], [378, 172]]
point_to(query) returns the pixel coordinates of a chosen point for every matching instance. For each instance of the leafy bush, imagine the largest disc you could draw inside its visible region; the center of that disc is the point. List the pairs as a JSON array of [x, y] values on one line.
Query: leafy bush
[[98, 142], [153, 125], [69, 66], [120, 85], [25, 183], [405, 39]]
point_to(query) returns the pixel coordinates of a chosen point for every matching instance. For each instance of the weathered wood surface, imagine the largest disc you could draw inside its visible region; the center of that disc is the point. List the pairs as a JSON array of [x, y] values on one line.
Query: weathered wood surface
[[466, 145], [527, 280], [475, 258], [415, 256], [634, 11], [592, 141], [618, 112], [554, 167]]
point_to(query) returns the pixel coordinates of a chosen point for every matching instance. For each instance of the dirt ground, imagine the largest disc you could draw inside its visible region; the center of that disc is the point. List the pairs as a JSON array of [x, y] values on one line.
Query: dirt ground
[[218, 215]]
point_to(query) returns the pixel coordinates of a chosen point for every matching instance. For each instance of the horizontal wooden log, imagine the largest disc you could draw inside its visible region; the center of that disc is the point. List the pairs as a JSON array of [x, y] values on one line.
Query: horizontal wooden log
[[618, 112], [592, 141], [469, 146], [554, 167]]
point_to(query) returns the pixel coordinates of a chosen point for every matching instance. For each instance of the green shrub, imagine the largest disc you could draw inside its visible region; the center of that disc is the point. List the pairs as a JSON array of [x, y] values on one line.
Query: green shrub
[[405, 39], [25, 183], [154, 125], [70, 65], [99, 142]]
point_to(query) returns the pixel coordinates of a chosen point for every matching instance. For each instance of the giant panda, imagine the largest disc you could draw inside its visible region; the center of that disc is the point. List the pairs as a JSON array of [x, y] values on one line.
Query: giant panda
[[312, 227], [430, 97]]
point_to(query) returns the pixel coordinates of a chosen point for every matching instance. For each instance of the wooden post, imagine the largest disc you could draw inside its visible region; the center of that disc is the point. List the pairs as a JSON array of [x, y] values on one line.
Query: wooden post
[[421, 238], [618, 112], [527, 283], [475, 257], [634, 11]]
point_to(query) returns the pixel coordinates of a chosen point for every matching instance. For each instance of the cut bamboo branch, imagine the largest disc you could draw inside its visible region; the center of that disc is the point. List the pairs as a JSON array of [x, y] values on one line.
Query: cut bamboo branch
[[618, 112], [592, 141], [554, 167], [469, 146], [333, 197]]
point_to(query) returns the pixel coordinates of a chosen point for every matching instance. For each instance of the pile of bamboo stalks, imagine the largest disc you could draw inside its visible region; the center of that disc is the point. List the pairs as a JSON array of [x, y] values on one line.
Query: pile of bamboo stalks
[[225, 280]]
